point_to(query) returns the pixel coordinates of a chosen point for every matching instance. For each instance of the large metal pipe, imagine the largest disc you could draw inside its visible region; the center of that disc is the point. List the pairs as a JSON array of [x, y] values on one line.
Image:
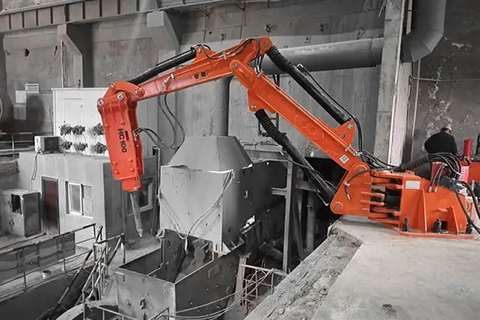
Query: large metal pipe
[[428, 26], [220, 112], [362, 53]]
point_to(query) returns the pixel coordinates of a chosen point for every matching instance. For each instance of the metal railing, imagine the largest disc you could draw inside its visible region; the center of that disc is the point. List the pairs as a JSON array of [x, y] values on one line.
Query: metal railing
[[97, 277], [27, 259], [13, 143]]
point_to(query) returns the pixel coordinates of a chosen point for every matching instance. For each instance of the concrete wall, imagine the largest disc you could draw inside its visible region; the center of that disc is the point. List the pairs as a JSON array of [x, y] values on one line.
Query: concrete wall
[[124, 47], [452, 96], [8, 182], [8, 175], [308, 23], [34, 57], [87, 171]]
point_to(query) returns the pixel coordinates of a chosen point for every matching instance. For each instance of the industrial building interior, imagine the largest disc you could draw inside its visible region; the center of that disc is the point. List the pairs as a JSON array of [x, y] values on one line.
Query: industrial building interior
[[239, 159]]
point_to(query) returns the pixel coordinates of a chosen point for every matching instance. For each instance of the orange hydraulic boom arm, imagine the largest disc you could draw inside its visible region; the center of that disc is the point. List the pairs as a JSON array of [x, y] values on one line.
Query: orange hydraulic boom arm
[[363, 191]]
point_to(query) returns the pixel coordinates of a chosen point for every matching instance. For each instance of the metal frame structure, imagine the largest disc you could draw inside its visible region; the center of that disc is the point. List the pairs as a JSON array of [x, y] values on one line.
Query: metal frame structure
[[96, 280], [257, 279]]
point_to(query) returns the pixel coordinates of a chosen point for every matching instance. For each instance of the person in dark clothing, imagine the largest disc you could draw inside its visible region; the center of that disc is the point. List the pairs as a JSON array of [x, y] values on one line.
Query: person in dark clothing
[[442, 141]]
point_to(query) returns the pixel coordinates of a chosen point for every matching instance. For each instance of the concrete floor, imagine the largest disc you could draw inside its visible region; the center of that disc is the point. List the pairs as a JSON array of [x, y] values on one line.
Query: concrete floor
[[388, 277]]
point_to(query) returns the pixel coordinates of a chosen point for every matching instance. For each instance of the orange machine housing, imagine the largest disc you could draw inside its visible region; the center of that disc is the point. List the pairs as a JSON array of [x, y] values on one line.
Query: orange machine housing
[[474, 172], [469, 161], [401, 200]]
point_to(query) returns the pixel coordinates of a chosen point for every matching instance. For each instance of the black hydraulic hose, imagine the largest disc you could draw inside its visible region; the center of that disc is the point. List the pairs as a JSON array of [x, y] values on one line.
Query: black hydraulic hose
[[318, 95], [327, 193], [164, 66], [413, 164]]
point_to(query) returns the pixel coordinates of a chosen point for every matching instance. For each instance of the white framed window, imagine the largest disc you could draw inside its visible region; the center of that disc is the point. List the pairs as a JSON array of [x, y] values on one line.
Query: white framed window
[[145, 197], [79, 199], [74, 198]]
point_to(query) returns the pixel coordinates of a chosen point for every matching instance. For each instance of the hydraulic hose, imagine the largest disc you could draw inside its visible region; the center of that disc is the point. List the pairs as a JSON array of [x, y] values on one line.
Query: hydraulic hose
[[327, 193], [318, 95], [164, 66], [413, 164]]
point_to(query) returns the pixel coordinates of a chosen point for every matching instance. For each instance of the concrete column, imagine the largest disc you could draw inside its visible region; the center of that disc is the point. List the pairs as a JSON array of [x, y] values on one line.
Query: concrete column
[[162, 30], [220, 107], [391, 113], [77, 40]]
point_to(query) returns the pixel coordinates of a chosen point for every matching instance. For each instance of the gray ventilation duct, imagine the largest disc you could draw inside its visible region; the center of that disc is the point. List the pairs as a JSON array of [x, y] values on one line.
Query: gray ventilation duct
[[428, 24], [362, 53]]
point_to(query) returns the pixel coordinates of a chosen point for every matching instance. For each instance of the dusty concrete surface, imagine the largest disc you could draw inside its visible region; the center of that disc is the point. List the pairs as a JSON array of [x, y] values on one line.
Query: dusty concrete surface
[[298, 296], [388, 277], [392, 277]]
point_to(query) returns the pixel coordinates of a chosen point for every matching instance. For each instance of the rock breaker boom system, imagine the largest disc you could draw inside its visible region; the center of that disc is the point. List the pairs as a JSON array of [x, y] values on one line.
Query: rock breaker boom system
[[371, 188]]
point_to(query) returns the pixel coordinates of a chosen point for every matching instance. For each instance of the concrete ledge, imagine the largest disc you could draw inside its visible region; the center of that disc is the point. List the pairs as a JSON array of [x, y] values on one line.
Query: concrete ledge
[[299, 295], [388, 277], [394, 277]]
